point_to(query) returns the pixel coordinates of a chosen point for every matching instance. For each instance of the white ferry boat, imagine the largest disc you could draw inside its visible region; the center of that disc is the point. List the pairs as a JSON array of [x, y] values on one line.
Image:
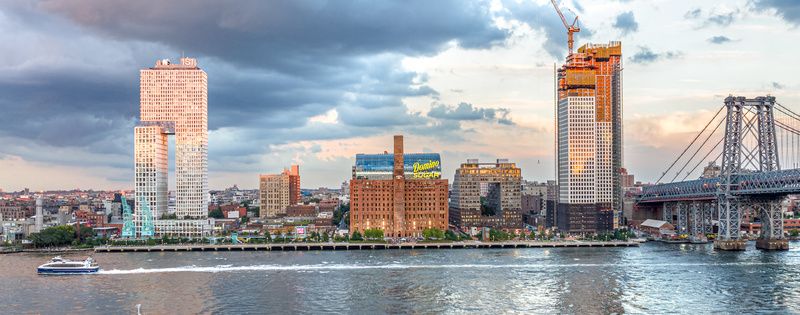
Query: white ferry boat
[[59, 265]]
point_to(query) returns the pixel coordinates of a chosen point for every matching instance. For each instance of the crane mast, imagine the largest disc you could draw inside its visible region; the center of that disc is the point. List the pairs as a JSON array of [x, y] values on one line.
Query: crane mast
[[571, 28]]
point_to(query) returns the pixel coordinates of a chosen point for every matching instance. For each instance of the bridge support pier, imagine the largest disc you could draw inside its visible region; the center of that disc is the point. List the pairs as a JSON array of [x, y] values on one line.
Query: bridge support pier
[[683, 220], [666, 212], [696, 216], [731, 245], [772, 244], [771, 226], [708, 217]]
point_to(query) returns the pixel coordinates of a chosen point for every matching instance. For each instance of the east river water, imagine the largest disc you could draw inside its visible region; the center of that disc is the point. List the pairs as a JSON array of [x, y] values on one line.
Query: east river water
[[654, 279]]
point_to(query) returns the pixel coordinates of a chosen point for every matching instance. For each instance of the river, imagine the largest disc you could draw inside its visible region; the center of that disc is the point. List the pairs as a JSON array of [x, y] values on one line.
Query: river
[[654, 278]]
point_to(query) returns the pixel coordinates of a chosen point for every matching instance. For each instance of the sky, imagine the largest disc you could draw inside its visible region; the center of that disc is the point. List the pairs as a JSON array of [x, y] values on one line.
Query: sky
[[314, 82]]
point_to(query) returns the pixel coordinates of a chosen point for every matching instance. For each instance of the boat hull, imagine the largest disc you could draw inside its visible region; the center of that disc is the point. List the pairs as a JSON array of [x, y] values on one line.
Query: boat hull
[[66, 271]]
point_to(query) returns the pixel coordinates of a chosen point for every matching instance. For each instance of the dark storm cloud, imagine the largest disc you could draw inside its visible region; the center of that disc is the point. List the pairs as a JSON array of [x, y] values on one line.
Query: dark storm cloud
[[72, 78], [719, 39], [626, 22], [291, 36], [544, 18], [466, 111], [789, 10], [647, 56]]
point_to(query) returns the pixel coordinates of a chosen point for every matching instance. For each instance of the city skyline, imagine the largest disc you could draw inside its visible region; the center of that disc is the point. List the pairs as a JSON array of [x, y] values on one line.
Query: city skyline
[[499, 68]]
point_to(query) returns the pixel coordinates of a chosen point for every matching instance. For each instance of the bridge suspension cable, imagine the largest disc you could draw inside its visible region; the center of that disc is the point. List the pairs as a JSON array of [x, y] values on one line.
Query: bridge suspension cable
[[678, 173], [690, 145], [704, 159], [788, 131]]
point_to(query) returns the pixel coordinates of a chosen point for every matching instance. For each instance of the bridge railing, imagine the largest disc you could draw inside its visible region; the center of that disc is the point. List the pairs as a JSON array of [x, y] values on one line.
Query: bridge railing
[[774, 182], [692, 189], [754, 183]]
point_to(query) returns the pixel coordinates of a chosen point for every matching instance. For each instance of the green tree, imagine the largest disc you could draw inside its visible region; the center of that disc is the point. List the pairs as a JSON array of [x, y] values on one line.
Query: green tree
[[451, 236], [53, 236], [433, 233], [341, 212], [216, 213], [357, 236], [325, 237], [373, 234], [169, 216], [533, 235], [794, 233]]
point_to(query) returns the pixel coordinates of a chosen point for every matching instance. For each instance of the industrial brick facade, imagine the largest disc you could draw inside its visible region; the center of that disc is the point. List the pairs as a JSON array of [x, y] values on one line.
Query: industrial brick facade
[[400, 207]]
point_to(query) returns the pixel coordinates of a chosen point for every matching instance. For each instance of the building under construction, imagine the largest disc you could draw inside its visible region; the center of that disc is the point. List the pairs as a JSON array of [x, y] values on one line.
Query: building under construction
[[589, 140]]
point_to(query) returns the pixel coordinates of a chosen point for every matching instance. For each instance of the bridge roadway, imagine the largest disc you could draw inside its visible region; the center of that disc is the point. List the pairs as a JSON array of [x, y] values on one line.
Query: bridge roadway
[[353, 246], [783, 182]]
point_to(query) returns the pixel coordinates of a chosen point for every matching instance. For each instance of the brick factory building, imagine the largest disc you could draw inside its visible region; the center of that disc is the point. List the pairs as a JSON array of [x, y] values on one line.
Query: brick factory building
[[402, 194]]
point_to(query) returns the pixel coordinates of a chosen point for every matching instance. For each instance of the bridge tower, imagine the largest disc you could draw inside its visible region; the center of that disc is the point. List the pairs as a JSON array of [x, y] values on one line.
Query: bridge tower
[[748, 118]]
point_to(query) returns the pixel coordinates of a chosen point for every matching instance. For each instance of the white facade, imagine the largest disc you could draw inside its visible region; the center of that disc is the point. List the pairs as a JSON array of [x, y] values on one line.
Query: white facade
[[184, 228], [173, 100], [150, 156], [604, 180], [585, 171]]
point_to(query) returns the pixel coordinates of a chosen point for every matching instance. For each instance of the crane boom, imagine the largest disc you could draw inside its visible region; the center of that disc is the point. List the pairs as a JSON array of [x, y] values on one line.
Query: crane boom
[[561, 15], [570, 28]]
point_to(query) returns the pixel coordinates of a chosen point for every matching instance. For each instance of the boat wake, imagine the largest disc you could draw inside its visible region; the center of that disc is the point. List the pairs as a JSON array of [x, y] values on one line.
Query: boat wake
[[345, 267]]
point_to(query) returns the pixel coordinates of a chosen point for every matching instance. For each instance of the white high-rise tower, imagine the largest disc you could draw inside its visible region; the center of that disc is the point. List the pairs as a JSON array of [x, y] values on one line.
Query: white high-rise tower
[[173, 101]]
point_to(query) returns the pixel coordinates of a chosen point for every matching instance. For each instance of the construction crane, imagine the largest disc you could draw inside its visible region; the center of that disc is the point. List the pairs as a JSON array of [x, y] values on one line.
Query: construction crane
[[574, 28]]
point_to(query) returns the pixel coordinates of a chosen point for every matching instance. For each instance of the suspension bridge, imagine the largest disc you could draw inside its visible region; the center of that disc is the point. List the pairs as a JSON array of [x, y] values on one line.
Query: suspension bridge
[[757, 151]]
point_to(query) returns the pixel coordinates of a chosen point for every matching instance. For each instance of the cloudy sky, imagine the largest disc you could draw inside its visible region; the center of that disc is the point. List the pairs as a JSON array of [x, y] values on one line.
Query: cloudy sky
[[315, 82]]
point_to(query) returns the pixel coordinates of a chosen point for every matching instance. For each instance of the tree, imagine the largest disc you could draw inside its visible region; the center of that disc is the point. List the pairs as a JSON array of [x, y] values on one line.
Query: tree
[[373, 234], [169, 216], [433, 233], [53, 236], [267, 237], [356, 236], [342, 212], [794, 233], [533, 235], [325, 237], [451, 236], [216, 213]]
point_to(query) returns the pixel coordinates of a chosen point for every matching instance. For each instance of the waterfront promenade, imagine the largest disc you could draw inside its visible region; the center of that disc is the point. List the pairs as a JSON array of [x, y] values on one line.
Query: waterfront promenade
[[353, 246]]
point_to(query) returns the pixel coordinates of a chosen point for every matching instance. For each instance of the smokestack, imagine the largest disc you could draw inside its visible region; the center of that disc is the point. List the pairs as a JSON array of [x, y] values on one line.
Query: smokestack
[[39, 215], [398, 156]]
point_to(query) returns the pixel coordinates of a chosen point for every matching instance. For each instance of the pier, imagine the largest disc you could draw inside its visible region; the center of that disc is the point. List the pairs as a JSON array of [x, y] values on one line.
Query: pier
[[351, 246]]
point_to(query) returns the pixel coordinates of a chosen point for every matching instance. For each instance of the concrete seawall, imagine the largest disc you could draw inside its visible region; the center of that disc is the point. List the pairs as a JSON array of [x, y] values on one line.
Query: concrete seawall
[[352, 246]]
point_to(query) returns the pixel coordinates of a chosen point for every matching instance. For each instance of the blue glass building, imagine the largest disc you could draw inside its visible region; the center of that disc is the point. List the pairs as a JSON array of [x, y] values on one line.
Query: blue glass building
[[415, 165]]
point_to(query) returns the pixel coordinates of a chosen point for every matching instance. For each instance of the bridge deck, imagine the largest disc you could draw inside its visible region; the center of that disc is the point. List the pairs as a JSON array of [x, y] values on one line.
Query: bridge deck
[[755, 183]]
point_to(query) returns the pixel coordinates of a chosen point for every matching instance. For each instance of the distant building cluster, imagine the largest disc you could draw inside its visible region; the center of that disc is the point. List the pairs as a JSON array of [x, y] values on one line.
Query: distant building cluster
[[279, 191]]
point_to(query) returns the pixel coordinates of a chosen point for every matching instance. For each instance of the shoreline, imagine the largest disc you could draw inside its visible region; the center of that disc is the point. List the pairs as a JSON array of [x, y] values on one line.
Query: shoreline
[[43, 250], [354, 246]]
